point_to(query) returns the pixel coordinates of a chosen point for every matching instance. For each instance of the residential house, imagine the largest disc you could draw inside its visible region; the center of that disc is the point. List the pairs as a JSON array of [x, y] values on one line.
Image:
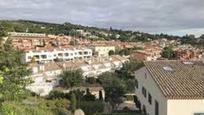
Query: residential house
[[102, 50], [171, 88], [56, 54], [46, 75]]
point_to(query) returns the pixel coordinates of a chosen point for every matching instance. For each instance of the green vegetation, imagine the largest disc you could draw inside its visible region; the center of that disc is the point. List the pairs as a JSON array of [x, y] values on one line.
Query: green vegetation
[[127, 71], [92, 107], [168, 53], [117, 84], [114, 88], [33, 106], [95, 33], [79, 99], [14, 98], [111, 52], [12, 74], [71, 78], [190, 39], [73, 102], [123, 112]]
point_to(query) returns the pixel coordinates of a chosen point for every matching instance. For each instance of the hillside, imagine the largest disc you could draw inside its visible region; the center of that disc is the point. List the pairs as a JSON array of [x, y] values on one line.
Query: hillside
[[88, 32]]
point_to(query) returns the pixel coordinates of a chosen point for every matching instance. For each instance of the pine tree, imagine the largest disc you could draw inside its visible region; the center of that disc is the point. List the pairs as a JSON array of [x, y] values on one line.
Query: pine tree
[[73, 102]]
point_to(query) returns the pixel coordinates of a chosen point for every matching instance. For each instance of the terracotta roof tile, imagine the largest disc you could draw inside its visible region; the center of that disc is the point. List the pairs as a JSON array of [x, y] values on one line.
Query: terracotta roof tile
[[185, 81]]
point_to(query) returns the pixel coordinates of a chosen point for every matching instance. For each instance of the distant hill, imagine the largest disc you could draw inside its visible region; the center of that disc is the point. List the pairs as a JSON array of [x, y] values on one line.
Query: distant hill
[[88, 32]]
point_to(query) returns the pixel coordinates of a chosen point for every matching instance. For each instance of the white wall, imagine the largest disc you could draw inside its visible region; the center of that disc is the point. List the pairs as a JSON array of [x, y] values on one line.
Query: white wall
[[103, 50], [144, 80], [185, 107], [51, 55]]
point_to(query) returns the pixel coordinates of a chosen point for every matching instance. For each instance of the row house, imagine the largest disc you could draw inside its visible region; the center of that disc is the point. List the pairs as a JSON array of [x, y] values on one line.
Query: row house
[[56, 54], [46, 75]]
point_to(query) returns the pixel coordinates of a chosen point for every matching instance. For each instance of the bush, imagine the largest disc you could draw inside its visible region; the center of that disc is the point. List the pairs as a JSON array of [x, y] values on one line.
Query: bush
[[91, 107], [56, 94], [71, 78], [35, 106], [91, 80]]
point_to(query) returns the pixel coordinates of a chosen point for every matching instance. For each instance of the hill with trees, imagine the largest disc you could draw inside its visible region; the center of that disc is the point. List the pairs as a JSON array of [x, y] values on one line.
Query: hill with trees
[[93, 32]]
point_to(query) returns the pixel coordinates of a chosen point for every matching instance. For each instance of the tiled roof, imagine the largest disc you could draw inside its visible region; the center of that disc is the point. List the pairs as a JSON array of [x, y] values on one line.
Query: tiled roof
[[185, 80]]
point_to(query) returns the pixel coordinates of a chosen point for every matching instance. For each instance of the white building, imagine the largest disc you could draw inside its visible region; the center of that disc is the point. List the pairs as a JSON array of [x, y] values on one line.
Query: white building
[[171, 88], [45, 76], [19, 34], [102, 51], [60, 54]]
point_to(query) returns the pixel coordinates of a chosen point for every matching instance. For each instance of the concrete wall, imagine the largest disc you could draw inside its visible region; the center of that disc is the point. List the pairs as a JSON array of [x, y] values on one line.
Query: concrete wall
[[103, 50], [185, 107], [51, 55], [145, 80]]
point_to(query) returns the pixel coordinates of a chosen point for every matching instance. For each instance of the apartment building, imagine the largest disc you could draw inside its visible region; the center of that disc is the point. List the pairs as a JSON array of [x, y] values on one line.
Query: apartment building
[[171, 88], [20, 34], [45, 76], [56, 54], [102, 50]]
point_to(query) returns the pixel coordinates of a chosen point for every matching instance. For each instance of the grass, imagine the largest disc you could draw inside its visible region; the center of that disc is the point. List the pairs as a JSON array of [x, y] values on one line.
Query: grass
[[122, 113]]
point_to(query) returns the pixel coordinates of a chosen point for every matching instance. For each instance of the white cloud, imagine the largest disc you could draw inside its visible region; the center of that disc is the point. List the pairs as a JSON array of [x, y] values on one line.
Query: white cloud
[[145, 15]]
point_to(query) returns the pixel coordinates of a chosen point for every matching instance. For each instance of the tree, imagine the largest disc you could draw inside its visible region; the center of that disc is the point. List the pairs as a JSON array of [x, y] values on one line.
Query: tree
[[111, 52], [35, 107], [91, 80], [137, 103], [168, 53], [113, 86], [202, 36], [88, 96], [73, 102], [13, 75], [91, 107], [73, 42], [128, 69], [71, 78]]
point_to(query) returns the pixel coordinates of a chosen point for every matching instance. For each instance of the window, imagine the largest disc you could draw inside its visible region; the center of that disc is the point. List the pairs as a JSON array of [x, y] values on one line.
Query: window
[[66, 54], [144, 92], [48, 81], [149, 98], [44, 56], [59, 54], [85, 53], [36, 56], [80, 53], [145, 75], [136, 84], [156, 107]]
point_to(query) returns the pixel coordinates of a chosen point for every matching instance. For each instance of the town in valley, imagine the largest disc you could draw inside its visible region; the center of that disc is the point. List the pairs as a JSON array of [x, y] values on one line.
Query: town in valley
[[104, 58]]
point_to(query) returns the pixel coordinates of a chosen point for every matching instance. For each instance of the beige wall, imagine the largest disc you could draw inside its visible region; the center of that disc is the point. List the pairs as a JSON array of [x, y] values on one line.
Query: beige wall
[[185, 107], [103, 50], [151, 88], [166, 107]]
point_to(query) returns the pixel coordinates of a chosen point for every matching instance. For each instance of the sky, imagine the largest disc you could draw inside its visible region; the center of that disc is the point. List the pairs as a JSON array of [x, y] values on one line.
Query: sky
[[176, 17]]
